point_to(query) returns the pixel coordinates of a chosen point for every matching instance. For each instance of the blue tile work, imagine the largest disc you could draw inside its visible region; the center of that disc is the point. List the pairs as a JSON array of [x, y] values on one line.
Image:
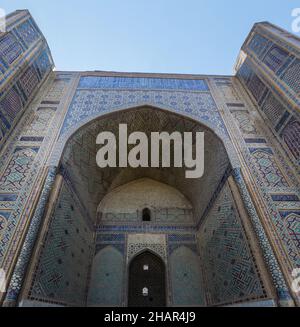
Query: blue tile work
[[28, 33], [268, 167], [10, 49], [291, 136], [116, 240], [177, 240], [13, 99], [24, 65], [62, 272], [291, 220], [22, 173], [268, 254], [230, 271], [26, 252], [275, 57], [282, 82], [273, 109], [88, 104], [141, 83], [258, 44], [285, 197], [106, 284], [276, 110], [291, 76], [255, 141], [186, 278]]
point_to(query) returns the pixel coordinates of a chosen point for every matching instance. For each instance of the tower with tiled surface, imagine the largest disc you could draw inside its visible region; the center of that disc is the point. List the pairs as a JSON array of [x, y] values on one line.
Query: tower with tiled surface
[[242, 243]]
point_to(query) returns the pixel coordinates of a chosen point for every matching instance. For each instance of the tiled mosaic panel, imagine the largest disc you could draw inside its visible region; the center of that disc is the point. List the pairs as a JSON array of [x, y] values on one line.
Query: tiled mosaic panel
[[268, 167], [275, 58], [277, 113], [28, 32], [186, 278], [43, 63], [244, 121], [291, 220], [42, 118], [256, 87], [258, 44], [23, 65], [28, 81], [107, 278], [62, 272], [11, 104], [291, 136], [273, 109], [19, 204], [271, 173], [89, 103], [291, 76], [10, 49], [230, 272], [16, 172], [96, 82]]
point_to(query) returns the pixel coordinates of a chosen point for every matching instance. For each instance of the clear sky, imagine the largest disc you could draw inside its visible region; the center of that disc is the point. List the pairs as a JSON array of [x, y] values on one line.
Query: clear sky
[[164, 36]]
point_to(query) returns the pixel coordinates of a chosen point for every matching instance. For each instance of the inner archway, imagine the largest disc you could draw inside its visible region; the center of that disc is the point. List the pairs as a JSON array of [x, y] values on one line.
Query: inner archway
[[103, 229], [146, 286]]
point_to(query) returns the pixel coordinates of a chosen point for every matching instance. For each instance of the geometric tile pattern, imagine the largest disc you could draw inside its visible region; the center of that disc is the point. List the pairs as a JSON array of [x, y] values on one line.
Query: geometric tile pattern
[[95, 82], [10, 49], [258, 44], [33, 133], [275, 58], [291, 136], [23, 67], [28, 81], [27, 32], [292, 222], [268, 50], [62, 271], [270, 172], [268, 167], [64, 279], [16, 172], [273, 109], [291, 76], [89, 103], [230, 272]]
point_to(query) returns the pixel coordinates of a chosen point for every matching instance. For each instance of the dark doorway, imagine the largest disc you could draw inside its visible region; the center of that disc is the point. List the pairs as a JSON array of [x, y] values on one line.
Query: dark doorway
[[147, 281], [146, 214]]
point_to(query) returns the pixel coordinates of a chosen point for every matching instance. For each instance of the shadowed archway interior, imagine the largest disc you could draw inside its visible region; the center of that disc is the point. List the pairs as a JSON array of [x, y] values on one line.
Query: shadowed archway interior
[[92, 183], [147, 281], [104, 218]]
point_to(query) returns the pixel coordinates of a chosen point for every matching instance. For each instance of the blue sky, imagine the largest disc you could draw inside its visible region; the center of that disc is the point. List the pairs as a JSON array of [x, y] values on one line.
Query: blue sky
[[165, 36]]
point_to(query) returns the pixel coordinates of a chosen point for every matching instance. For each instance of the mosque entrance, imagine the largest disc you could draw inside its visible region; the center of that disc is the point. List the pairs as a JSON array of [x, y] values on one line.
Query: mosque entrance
[[146, 281]]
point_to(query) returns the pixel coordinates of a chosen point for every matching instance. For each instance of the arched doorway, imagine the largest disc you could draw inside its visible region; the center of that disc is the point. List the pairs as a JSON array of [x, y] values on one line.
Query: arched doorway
[[146, 286], [115, 221]]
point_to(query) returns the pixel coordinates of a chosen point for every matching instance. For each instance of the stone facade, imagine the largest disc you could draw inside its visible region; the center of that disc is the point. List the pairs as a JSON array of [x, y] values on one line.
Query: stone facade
[[233, 236]]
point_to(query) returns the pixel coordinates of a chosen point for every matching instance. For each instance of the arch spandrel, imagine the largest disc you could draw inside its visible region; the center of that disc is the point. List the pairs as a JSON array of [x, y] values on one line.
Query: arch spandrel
[[216, 125]]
